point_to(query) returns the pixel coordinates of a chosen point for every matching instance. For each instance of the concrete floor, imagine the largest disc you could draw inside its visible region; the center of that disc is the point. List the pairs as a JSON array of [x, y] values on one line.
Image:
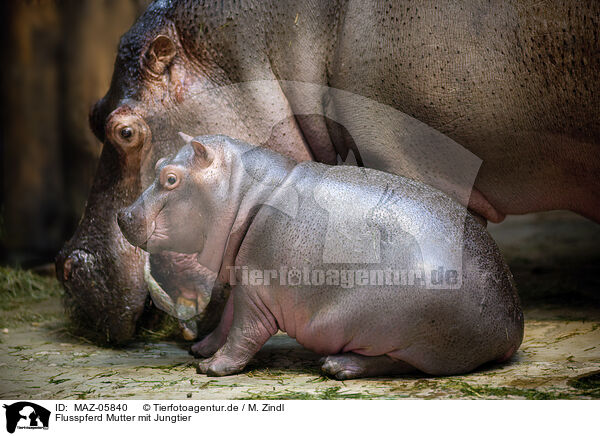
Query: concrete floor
[[554, 257]]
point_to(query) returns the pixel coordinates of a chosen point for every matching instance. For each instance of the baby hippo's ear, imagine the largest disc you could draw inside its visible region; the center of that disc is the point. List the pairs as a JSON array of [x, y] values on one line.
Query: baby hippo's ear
[[203, 155], [187, 138]]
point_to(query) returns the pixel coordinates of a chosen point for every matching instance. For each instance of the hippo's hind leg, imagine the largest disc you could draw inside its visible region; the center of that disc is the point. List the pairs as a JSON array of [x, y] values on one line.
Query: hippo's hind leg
[[351, 365], [253, 324]]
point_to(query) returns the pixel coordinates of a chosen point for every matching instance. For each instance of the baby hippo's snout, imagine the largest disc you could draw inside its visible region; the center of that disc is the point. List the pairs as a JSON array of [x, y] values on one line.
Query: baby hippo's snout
[[133, 225]]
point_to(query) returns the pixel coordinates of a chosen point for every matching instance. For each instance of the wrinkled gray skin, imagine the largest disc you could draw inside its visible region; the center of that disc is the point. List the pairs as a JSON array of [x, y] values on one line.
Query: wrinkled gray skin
[[514, 82], [205, 200]]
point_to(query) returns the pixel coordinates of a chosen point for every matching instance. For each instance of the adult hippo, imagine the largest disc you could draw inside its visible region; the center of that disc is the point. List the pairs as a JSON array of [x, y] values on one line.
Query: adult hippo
[[512, 83]]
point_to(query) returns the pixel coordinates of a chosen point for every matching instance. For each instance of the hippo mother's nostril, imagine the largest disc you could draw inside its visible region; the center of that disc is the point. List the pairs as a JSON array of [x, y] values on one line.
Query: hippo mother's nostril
[[67, 268], [76, 260]]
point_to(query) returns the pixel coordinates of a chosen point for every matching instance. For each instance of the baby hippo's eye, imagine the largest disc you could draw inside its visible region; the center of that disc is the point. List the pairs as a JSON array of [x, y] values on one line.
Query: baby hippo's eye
[[170, 177], [171, 181]]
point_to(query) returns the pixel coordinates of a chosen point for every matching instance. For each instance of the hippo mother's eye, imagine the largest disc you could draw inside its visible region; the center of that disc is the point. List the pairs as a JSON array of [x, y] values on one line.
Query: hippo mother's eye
[[171, 180], [126, 132]]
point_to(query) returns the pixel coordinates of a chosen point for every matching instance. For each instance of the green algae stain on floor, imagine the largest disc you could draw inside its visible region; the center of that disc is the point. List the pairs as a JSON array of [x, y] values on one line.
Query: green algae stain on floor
[[46, 362], [588, 384]]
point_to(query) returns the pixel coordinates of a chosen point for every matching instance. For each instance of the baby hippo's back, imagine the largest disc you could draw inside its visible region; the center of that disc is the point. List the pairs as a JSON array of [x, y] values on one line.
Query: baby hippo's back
[[351, 259]]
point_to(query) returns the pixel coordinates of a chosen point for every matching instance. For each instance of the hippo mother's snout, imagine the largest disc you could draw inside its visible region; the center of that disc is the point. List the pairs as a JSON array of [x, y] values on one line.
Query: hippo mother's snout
[[88, 301]]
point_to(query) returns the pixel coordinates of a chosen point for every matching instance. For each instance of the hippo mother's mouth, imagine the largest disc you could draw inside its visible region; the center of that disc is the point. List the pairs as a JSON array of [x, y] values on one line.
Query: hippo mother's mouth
[[184, 310], [162, 300]]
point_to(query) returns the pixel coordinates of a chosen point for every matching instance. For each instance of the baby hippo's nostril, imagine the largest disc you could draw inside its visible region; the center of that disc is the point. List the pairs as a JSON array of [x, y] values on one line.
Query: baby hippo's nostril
[[130, 223], [124, 219]]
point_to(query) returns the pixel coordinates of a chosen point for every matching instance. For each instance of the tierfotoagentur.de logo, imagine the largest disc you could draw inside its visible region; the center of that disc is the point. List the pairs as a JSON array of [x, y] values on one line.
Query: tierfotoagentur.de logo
[[27, 416]]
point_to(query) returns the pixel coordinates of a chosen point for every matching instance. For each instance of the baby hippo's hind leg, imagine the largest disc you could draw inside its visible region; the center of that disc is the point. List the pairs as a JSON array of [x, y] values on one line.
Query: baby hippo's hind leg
[[351, 365]]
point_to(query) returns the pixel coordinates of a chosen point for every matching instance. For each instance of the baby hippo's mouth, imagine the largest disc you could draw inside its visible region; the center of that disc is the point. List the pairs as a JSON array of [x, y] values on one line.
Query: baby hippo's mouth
[[157, 237], [150, 234]]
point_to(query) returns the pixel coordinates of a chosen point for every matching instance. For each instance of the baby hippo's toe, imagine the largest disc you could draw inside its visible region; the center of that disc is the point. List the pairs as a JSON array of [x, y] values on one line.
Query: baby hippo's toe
[[206, 347], [351, 365], [218, 366]]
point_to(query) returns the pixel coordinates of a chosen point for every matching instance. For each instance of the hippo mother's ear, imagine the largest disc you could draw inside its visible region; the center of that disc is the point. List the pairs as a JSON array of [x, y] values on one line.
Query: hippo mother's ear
[[159, 55], [202, 154]]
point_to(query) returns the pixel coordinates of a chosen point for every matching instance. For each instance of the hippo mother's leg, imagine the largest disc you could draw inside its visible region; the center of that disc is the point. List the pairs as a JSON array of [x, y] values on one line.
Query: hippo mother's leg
[[351, 365]]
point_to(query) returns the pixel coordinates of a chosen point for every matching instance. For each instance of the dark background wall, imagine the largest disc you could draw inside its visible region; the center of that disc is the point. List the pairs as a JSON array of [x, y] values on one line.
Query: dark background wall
[[57, 61]]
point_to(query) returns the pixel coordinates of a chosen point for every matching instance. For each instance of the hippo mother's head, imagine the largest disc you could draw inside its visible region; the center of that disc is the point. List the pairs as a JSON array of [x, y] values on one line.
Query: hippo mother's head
[[168, 77], [106, 294]]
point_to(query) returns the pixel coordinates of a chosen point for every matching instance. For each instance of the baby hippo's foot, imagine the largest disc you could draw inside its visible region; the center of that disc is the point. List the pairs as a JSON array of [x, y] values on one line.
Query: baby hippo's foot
[[207, 346], [220, 365], [351, 365]]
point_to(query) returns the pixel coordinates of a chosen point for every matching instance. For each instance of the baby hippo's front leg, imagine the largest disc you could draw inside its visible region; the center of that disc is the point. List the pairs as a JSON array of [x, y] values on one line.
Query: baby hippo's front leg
[[253, 324], [216, 339]]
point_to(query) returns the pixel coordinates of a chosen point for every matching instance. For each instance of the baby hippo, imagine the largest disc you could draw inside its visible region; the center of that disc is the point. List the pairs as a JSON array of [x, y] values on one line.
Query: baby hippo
[[381, 274]]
